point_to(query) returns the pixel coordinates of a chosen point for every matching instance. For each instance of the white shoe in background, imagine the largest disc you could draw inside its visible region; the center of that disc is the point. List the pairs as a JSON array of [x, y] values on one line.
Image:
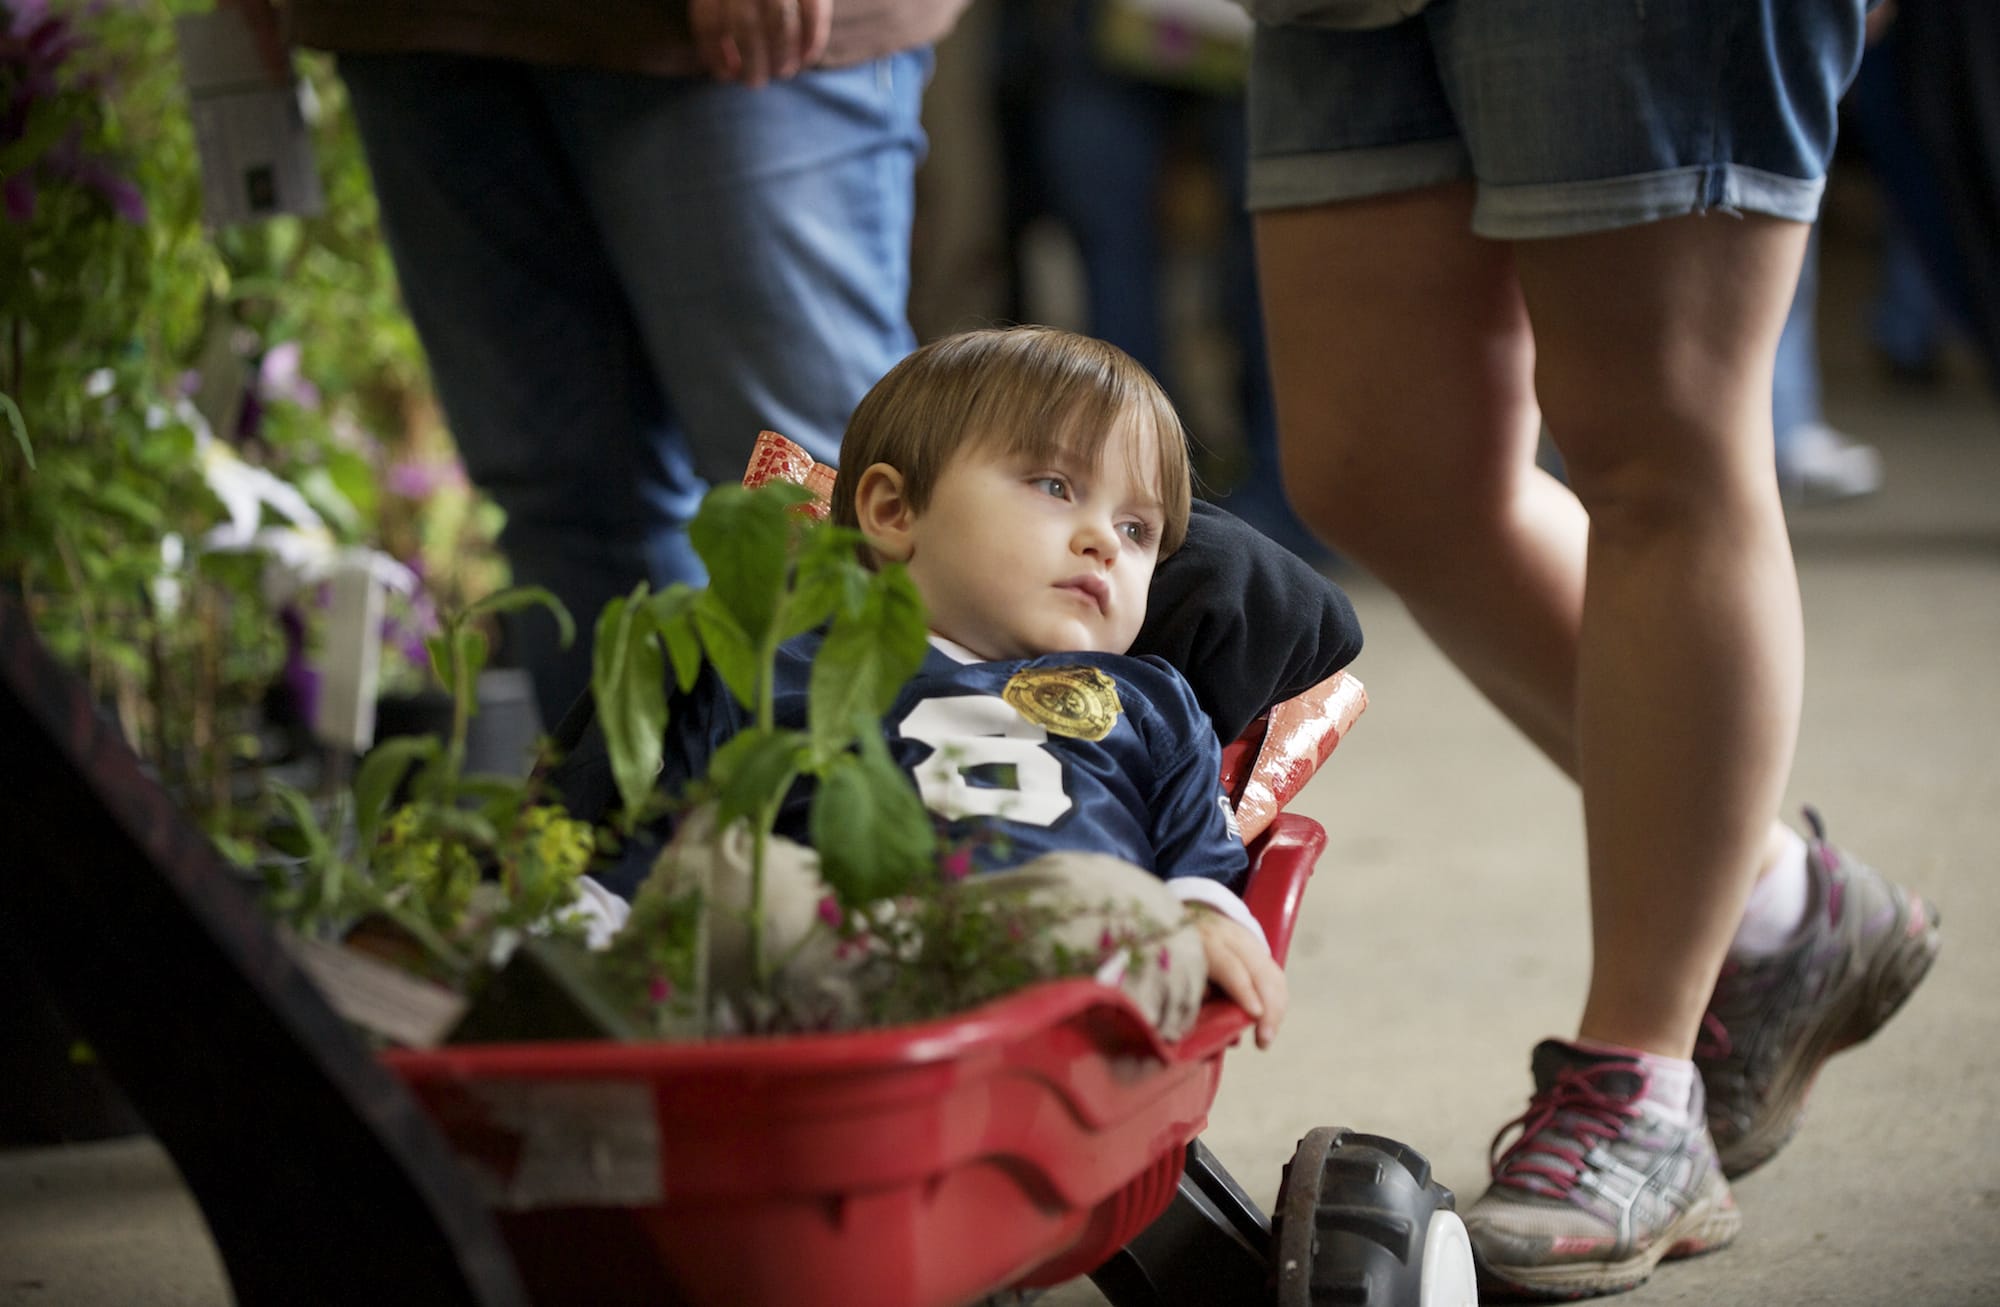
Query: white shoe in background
[[1817, 463]]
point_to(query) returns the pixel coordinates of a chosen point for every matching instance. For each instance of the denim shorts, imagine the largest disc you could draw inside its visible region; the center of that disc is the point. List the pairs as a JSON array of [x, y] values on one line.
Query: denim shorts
[[1569, 115]]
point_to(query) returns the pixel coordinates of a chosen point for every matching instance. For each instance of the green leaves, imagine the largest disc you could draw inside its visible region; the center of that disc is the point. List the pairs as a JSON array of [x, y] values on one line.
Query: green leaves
[[737, 659], [744, 538], [517, 597], [870, 651], [636, 638], [830, 579], [457, 656], [774, 574], [379, 776], [751, 773], [459, 652], [19, 427], [628, 678], [672, 615], [873, 833]]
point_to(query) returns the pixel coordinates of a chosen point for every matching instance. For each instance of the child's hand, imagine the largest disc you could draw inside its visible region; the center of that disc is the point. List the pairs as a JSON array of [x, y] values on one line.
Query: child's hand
[[1239, 966]]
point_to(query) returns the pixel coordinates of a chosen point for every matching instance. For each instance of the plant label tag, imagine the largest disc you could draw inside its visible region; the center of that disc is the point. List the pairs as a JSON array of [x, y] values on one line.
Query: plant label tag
[[571, 1143], [249, 131], [380, 998], [351, 656]]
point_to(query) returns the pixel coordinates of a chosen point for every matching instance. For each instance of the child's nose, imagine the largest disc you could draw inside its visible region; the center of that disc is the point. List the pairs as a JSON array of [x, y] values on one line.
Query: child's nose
[[1098, 540]]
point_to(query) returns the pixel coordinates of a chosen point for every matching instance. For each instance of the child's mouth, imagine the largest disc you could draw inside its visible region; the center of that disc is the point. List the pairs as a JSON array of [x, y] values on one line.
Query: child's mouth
[[1091, 588]]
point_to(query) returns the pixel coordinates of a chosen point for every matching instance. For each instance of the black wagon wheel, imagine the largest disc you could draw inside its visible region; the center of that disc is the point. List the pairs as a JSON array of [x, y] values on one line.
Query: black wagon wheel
[[1360, 1222]]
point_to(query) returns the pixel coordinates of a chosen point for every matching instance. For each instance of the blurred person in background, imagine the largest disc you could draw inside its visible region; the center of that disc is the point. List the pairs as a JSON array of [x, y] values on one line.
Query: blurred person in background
[[631, 236]]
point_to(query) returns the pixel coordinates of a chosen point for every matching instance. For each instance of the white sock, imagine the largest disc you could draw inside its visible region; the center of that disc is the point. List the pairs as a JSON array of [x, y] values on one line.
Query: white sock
[[1777, 906], [1669, 1080], [1669, 1083]]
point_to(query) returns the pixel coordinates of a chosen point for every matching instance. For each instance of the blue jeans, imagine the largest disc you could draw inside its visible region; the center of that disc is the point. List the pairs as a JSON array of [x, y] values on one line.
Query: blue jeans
[[1795, 382], [1104, 140], [620, 279]]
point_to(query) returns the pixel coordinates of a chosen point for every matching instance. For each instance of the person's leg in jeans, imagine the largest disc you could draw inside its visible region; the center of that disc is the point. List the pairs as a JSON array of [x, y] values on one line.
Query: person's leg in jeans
[[1795, 372], [1643, 630], [762, 237], [1906, 324], [1103, 143], [619, 279], [1259, 497], [530, 338]]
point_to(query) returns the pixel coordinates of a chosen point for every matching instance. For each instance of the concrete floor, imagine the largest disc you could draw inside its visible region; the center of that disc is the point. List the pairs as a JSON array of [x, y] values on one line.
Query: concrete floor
[[1445, 932]]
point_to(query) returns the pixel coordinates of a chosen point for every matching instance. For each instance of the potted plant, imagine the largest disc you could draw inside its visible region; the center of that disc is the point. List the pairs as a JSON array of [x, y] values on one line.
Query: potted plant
[[475, 882]]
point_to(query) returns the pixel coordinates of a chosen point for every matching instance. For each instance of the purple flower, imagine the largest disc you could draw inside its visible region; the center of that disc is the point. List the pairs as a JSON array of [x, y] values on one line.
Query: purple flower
[[300, 679], [660, 989], [32, 51], [829, 911], [405, 628], [124, 197], [1166, 959], [19, 192], [278, 376], [250, 417], [27, 14]]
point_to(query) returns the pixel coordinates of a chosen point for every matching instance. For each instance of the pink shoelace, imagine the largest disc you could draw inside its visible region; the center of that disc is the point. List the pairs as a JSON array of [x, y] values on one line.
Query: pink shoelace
[[1562, 1124]]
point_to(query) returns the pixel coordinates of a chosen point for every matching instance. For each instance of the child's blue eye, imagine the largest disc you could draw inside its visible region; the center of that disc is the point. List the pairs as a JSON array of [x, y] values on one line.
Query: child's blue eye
[[1139, 533], [1054, 485]]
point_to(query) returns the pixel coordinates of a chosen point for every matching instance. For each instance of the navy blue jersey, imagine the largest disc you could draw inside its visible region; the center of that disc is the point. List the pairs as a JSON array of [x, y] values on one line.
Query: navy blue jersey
[[1096, 752]]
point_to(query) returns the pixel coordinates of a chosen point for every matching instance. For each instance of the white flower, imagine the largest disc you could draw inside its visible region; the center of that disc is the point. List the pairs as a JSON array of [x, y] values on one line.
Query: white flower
[[299, 548], [167, 585], [246, 490]]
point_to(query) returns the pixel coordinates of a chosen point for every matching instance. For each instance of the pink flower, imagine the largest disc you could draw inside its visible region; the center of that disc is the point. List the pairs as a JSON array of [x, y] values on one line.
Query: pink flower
[[660, 990], [1107, 943], [422, 480], [957, 864], [1166, 959], [829, 911]]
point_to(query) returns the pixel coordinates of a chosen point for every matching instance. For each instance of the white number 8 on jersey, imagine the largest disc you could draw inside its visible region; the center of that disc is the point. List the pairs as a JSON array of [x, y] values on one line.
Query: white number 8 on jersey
[[983, 730]]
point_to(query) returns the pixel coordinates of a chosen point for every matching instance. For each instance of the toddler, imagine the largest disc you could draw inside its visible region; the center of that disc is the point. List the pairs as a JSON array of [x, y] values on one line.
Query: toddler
[[1030, 479]]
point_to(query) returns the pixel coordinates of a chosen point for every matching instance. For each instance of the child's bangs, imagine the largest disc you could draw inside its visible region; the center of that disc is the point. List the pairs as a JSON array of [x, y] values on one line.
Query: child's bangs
[[1075, 413]]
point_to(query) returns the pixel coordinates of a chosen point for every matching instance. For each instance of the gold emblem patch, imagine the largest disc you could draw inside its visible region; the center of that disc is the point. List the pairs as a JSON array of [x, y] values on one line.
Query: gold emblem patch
[[1079, 702]]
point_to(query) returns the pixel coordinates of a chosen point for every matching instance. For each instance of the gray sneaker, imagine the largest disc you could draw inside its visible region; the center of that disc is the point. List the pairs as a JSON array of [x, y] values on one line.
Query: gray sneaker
[[1772, 1024], [1600, 1186]]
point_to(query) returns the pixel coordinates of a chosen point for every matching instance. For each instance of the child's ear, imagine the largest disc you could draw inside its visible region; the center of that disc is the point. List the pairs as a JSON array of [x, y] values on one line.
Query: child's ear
[[884, 514]]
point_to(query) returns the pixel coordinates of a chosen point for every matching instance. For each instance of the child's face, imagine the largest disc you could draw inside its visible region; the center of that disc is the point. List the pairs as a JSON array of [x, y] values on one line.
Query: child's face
[[1018, 559]]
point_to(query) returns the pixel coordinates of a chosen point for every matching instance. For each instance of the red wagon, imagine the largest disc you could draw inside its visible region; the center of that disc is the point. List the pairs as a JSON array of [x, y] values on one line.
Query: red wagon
[[1021, 1144], [1042, 1136]]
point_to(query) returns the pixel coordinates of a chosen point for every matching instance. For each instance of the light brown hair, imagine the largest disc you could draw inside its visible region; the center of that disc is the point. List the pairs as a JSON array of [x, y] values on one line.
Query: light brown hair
[[1036, 391]]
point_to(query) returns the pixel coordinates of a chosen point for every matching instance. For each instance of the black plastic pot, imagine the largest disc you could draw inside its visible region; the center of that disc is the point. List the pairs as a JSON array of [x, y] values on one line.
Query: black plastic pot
[[500, 739]]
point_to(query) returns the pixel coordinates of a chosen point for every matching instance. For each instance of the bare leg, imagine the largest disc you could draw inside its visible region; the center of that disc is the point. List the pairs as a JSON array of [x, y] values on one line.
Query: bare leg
[[1403, 367], [1656, 346], [1406, 378]]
